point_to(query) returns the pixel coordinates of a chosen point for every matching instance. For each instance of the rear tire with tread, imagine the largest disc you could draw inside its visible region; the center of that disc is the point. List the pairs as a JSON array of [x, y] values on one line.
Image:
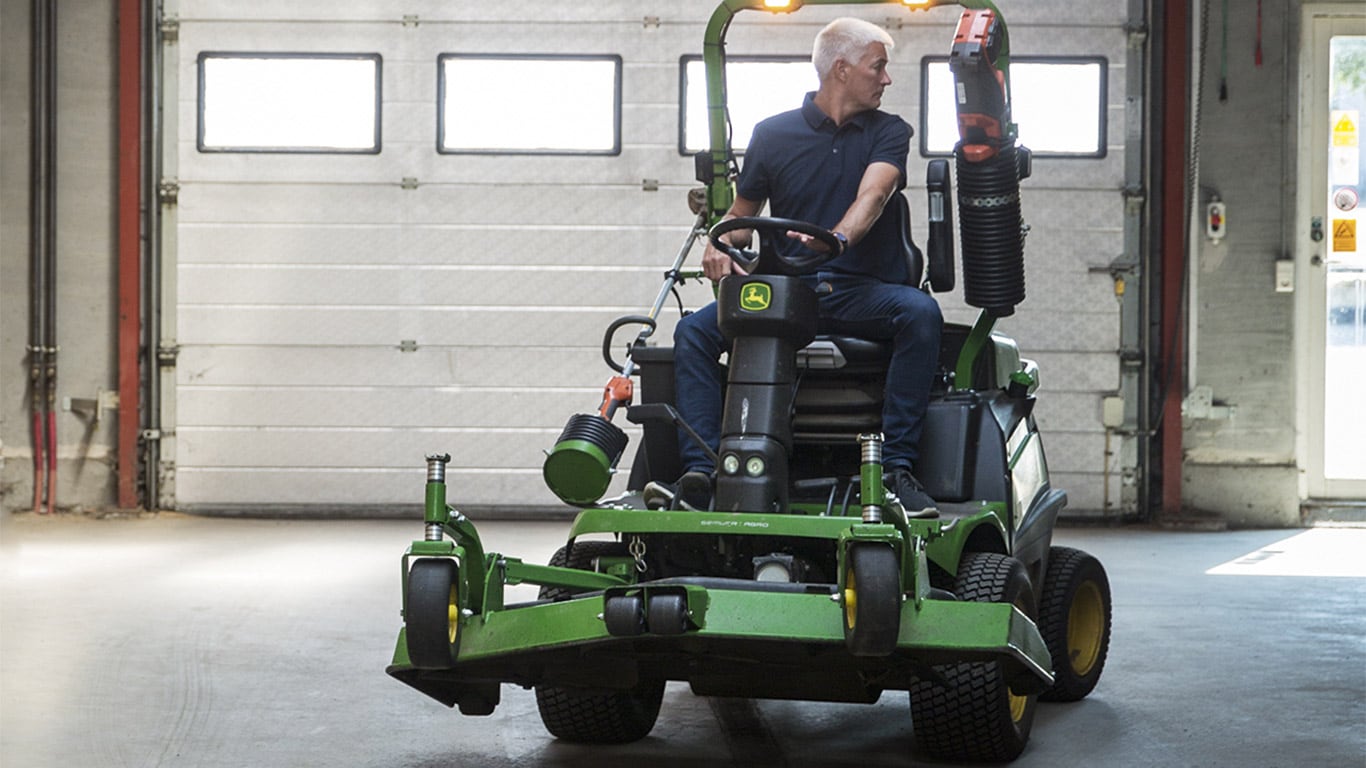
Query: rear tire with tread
[[971, 714], [1074, 619], [596, 715]]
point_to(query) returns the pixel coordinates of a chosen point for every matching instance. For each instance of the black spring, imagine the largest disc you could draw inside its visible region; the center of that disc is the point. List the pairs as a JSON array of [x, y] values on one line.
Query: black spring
[[593, 428], [992, 232]]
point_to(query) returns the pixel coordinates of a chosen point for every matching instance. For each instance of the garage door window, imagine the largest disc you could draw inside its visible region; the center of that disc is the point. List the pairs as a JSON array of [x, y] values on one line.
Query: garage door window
[[284, 102], [756, 87], [1058, 103], [529, 104]]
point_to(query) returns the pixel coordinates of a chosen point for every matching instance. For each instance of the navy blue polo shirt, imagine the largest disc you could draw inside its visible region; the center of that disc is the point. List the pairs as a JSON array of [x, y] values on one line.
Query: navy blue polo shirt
[[807, 169]]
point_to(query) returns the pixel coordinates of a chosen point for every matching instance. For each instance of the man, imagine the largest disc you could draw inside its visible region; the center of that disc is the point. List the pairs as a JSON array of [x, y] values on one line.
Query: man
[[834, 162]]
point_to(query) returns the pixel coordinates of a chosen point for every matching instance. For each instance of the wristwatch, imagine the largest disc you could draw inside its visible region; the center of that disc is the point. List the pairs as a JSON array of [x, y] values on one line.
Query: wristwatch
[[844, 241]]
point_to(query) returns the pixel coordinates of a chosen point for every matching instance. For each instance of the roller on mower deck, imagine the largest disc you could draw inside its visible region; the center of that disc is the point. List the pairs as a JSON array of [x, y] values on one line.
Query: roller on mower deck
[[805, 579]]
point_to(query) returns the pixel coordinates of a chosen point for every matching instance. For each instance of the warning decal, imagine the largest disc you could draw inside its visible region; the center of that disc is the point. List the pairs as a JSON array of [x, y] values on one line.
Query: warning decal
[[1344, 235], [1344, 148], [1345, 132]]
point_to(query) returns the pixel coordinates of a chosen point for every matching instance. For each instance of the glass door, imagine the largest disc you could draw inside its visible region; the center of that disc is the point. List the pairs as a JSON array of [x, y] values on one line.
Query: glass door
[[1335, 101]]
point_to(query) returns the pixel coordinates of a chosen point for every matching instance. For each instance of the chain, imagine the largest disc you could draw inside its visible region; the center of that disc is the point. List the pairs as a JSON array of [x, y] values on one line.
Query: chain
[[637, 550]]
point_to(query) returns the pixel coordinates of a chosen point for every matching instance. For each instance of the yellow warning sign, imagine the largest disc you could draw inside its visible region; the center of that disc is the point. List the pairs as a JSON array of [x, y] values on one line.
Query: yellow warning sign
[[1344, 235], [1345, 128]]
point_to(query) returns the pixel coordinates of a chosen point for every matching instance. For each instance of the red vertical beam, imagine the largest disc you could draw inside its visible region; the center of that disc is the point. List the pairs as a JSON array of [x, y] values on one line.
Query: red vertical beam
[[1175, 95], [129, 244]]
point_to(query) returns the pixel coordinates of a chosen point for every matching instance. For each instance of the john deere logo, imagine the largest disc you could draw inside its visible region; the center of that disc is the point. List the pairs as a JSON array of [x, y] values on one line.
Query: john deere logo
[[756, 297]]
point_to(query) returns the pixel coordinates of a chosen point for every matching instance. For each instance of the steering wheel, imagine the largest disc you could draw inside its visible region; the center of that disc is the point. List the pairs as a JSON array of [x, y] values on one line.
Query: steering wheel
[[768, 255]]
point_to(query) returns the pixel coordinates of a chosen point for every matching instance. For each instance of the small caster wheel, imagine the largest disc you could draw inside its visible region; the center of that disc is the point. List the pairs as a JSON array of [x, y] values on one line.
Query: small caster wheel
[[432, 616], [624, 615], [871, 599], [668, 614]]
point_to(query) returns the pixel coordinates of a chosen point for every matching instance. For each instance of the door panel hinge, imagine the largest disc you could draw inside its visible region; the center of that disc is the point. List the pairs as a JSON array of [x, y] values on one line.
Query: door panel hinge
[[169, 28], [1137, 34], [168, 191]]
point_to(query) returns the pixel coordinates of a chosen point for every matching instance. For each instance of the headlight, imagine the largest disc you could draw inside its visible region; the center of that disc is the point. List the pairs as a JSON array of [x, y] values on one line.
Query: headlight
[[730, 464]]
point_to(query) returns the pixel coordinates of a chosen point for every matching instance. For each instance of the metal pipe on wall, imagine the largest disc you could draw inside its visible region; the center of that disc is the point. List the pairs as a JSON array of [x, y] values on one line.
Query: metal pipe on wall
[[129, 245], [1175, 50], [50, 325], [42, 264], [151, 278], [37, 233]]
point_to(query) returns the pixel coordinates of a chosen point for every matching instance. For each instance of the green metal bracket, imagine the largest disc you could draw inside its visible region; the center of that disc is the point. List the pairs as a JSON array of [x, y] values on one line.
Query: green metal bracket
[[503, 571], [972, 347], [883, 532], [495, 579], [430, 549], [434, 549], [874, 533], [920, 584], [435, 509], [517, 572], [473, 564]]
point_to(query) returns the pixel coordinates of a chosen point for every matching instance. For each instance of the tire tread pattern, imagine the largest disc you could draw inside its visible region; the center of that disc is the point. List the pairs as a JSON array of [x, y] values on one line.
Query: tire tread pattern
[[968, 716], [1065, 566], [596, 715]]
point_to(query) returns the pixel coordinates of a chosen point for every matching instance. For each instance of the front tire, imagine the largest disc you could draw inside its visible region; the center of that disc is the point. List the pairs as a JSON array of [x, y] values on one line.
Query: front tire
[[971, 714], [871, 598], [1074, 619], [596, 715], [432, 615]]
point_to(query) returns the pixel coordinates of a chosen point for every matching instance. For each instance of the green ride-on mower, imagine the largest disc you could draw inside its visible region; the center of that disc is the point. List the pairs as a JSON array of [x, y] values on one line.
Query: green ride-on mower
[[805, 578]]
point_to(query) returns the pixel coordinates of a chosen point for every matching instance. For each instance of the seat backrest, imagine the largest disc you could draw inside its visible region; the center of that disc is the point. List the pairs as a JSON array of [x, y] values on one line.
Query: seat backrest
[[915, 260]]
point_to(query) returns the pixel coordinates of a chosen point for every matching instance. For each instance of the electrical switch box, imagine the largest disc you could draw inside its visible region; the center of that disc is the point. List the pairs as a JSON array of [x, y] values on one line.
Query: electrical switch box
[[1216, 220], [1285, 276], [1112, 412]]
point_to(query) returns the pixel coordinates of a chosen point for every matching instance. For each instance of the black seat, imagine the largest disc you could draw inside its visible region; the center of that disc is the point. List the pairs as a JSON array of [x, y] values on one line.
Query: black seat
[[838, 350]]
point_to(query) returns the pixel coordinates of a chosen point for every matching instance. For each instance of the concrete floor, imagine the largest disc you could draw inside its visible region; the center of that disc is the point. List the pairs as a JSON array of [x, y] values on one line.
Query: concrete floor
[[183, 641]]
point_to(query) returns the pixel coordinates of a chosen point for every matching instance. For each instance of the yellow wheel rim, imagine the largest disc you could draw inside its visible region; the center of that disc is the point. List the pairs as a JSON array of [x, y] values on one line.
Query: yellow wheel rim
[[453, 615], [1085, 627], [1019, 705], [850, 599]]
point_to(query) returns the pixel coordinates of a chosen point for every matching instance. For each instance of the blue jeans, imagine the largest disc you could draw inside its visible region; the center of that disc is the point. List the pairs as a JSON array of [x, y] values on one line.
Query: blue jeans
[[859, 306]]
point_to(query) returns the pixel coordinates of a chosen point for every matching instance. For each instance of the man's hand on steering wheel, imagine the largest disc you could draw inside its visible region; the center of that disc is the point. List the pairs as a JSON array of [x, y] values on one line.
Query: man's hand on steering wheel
[[809, 242], [819, 246], [716, 263]]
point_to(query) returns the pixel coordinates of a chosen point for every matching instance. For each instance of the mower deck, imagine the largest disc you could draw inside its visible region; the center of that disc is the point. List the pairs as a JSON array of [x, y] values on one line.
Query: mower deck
[[736, 637]]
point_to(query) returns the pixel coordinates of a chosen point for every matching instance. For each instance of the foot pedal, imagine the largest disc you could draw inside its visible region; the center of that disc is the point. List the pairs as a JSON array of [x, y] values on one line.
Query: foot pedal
[[658, 495]]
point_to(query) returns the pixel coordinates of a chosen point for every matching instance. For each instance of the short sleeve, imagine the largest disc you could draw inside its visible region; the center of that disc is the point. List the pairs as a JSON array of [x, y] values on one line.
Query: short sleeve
[[891, 144], [754, 182]]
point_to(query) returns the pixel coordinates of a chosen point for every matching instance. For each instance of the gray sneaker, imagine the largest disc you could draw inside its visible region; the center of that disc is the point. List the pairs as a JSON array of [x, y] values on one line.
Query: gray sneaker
[[903, 485]]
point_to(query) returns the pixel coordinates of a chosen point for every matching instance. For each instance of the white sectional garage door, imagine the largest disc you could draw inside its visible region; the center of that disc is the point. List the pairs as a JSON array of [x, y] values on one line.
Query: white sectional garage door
[[340, 315]]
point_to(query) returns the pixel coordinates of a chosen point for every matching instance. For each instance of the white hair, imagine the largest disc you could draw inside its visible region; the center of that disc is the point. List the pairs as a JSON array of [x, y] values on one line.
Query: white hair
[[845, 38]]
